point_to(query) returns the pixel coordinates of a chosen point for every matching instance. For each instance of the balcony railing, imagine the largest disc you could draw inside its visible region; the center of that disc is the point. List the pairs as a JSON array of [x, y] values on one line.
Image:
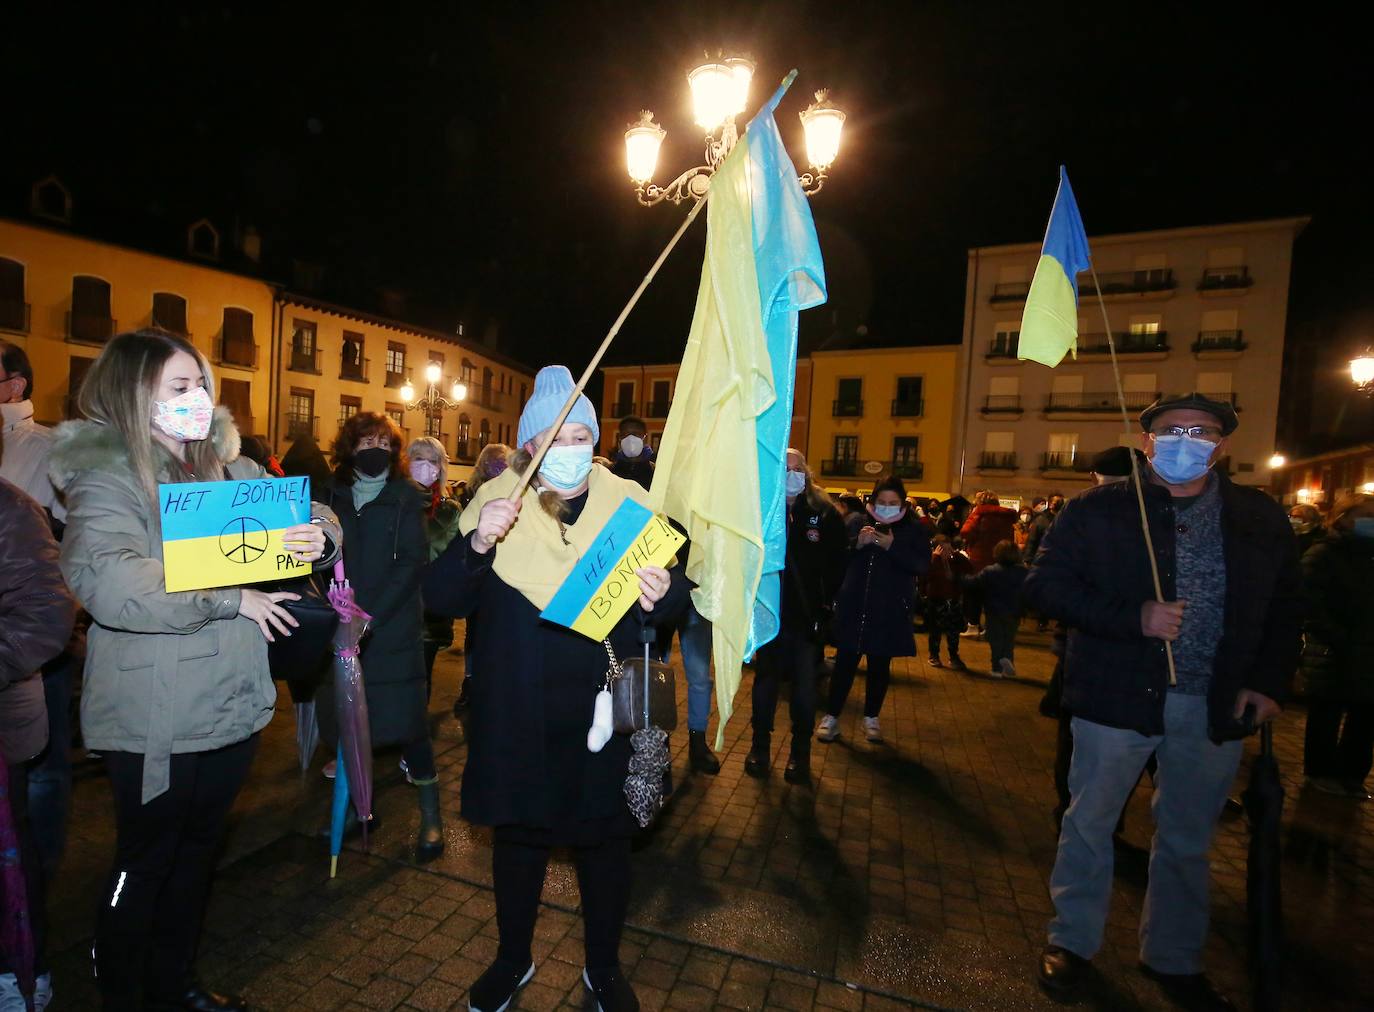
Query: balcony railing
[[1065, 460], [1214, 278], [1152, 279], [657, 409], [908, 408], [302, 425], [240, 353], [1010, 291], [303, 360], [914, 469], [355, 371], [14, 316], [1001, 404], [486, 397], [1105, 402], [1219, 340], [1001, 347], [84, 328], [622, 409], [842, 466], [1127, 343], [996, 461], [847, 409]]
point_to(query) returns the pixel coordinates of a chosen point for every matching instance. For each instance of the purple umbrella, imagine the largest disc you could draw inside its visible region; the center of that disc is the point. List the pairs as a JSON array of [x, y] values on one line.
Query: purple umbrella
[[350, 702]]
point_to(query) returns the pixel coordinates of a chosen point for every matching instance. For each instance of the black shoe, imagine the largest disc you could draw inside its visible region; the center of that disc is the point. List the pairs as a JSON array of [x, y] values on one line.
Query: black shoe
[[494, 990], [197, 999], [700, 756], [610, 990], [1061, 971], [756, 764], [429, 843], [798, 770], [957, 664], [1192, 991], [461, 703]]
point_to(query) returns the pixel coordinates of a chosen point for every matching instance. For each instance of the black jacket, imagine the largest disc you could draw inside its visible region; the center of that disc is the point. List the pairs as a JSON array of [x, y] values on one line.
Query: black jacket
[[532, 700], [1092, 573], [877, 598], [1338, 653], [385, 549], [817, 548]]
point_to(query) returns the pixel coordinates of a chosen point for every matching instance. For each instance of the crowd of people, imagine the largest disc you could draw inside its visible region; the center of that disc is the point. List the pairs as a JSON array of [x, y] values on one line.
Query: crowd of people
[[175, 688]]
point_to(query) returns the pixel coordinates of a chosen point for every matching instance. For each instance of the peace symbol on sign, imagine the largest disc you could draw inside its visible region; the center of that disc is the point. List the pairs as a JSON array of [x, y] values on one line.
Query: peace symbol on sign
[[243, 540]]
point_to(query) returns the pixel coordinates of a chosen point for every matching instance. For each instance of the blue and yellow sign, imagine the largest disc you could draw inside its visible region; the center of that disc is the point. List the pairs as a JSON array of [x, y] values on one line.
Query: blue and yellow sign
[[228, 533], [603, 584]]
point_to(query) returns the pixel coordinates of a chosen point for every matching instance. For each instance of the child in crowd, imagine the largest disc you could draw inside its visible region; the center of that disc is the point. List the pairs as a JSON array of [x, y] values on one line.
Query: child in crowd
[[943, 592], [999, 585]]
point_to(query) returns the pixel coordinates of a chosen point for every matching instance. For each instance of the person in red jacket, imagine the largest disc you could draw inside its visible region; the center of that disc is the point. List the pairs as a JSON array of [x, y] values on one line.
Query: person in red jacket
[[988, 524]]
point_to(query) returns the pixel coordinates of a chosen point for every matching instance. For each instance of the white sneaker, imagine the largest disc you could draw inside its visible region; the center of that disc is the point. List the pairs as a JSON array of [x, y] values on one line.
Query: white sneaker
[[829, 728], [330, 769], [42, 993], [871, 729], [1008, 668]]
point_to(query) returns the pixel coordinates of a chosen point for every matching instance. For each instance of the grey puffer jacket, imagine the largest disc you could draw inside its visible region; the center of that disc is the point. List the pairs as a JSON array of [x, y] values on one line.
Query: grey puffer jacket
[[166, 673]]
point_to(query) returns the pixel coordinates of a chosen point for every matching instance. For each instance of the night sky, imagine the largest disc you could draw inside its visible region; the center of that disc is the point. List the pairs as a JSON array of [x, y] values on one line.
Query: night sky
[[473, 158]]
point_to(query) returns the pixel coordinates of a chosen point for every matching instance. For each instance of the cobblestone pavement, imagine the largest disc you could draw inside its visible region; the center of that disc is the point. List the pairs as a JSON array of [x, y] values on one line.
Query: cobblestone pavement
[[913, 874]]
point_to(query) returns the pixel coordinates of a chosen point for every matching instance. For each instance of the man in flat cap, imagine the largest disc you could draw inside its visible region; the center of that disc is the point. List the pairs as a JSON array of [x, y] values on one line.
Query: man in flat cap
[[1228, 565]]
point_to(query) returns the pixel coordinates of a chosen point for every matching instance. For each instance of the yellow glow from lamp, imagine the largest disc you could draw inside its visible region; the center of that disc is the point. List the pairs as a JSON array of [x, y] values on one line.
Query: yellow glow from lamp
[[1362, 369], [714, 94], [433, 372], [459, 392], [741, 73], [407, 392], [642, 142], [823, 124], [1277, 461], [1367, 488]]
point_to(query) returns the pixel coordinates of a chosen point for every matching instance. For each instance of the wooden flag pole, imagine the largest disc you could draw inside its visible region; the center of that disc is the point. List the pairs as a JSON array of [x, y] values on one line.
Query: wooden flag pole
[[549, 436], [1135, 468]]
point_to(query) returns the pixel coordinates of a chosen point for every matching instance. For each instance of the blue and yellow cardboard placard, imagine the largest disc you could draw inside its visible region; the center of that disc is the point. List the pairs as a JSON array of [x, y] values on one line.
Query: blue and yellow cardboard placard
[[603, 584], [228, 533]]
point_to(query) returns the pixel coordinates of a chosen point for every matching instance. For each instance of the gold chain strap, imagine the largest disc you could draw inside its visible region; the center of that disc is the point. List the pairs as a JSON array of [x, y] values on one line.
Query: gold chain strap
[[616, 670]]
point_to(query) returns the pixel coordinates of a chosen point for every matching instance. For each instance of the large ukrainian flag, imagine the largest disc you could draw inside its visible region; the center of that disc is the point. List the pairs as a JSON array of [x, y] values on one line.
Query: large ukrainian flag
[[722, 462], [1049, 323]]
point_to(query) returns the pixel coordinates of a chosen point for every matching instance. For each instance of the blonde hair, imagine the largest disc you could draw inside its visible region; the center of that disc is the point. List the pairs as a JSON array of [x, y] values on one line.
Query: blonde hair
[[119, 392], [432, 450], [479, 475], [815, 495]]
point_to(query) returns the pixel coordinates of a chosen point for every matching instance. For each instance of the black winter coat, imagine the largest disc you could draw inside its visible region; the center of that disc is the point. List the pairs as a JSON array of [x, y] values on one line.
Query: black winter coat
[[817, 548], [873, 614], [531, 702], [1093, 574], [385, 551], [1338, 648]]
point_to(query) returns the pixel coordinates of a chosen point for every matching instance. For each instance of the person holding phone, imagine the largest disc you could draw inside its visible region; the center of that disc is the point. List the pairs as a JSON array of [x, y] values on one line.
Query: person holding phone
[[1228, 562]]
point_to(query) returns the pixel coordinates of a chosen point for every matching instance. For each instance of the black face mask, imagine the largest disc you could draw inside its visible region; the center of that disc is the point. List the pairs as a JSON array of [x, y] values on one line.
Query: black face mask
[[373, 461]]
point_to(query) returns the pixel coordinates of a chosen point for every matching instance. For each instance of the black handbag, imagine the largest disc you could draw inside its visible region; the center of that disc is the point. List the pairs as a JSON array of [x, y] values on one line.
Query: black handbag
[[630, 681], [300, 655]]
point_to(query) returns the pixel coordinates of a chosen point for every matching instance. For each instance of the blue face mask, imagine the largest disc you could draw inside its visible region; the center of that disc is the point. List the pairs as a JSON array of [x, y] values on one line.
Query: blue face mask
[[796, 483], [1364, 527], [566, 467], [1181, 459], [887, 514]]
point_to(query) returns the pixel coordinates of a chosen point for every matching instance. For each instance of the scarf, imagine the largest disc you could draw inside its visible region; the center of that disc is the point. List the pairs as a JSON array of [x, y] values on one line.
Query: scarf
[[533, 558], [366, 489]]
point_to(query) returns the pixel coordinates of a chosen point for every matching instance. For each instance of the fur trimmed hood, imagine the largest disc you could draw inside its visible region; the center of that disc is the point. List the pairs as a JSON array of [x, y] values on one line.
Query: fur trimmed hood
[[85, 445]]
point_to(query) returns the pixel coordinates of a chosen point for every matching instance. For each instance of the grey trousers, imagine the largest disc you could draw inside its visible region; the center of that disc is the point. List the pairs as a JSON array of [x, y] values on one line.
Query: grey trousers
[[1190, 790]]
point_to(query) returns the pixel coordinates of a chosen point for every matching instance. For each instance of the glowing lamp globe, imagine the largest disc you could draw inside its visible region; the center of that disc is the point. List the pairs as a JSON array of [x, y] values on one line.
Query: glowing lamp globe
[[823, 124], [459, 392], [741, 73], [1277, 461], [714, 94], [642, 142], [433, 372], [1362, 369], [407, 392]]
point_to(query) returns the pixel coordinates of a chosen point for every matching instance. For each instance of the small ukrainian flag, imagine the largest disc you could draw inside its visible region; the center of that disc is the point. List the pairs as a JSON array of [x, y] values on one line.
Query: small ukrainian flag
[[1049, 323]]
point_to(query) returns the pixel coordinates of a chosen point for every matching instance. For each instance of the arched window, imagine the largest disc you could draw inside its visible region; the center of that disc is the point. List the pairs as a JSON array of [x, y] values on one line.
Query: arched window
[[484, 433], [169, 312], [202, 240], [90, 319]]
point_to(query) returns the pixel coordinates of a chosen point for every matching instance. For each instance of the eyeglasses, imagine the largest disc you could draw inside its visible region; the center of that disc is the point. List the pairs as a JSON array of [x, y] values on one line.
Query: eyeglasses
[[1208, 432]]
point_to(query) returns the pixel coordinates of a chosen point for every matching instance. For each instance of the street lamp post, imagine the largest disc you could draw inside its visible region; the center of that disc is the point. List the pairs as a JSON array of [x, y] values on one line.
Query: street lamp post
[[720, 92], [1362, 371], [433, 404]]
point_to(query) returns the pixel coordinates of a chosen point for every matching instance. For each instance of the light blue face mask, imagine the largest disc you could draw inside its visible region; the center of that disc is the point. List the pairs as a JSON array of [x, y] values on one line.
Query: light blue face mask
[[1181, 459], [796, 483], [1364, 527], [887, 514], [566, 467]]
